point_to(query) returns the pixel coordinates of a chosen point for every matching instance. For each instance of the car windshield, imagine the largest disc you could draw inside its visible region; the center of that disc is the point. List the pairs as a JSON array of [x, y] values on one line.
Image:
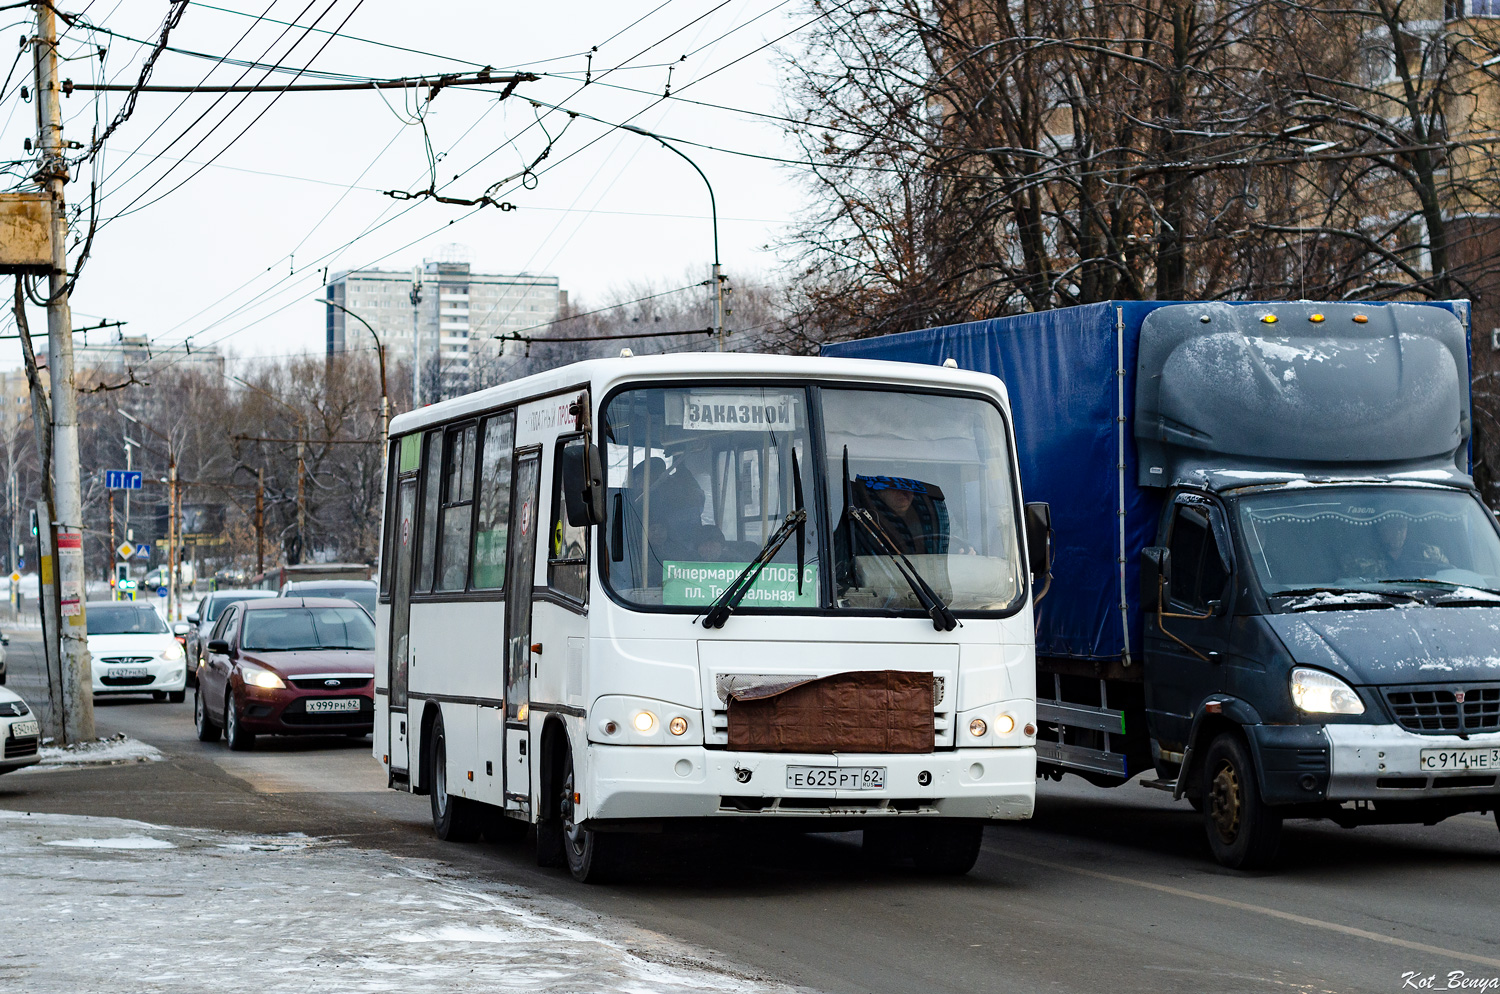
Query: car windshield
[[124, 619], [288, 629], [215, 605], [1370, 538], [361, 595]]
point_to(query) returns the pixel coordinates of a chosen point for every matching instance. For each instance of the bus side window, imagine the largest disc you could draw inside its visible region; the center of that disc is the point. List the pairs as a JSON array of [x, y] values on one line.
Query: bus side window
[[458, 499], [567, 549], [427, 524], [494, 504]]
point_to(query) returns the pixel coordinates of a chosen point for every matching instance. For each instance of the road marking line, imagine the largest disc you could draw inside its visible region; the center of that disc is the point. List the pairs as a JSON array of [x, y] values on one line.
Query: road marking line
[[1225, 902]]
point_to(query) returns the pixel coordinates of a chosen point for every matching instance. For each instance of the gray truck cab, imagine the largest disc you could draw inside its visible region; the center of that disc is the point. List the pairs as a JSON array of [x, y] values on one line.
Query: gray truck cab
[[1321, 608]]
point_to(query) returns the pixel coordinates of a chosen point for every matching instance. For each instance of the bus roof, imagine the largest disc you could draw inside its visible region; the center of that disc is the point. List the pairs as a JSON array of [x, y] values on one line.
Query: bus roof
[[604, 374]]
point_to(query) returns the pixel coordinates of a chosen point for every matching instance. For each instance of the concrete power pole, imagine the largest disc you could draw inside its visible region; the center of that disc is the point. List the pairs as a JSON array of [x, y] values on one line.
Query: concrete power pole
[[77, 693], [416, 338]]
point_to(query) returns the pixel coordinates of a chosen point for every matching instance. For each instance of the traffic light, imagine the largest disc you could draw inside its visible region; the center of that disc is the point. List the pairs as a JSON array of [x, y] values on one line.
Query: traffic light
[[33, 521]]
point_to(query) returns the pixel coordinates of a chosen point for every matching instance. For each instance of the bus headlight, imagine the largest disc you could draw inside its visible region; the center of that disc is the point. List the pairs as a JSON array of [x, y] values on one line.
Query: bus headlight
[[644, 722], [977, 728], [677, 725], [1318, 692], [1004, 724]]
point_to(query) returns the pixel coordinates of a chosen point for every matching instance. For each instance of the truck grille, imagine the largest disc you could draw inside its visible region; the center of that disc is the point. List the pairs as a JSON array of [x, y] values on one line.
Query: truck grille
[[1437, 710]]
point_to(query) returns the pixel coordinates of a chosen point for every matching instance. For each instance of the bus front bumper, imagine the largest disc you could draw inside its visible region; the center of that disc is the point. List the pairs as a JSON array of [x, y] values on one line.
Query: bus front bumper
[[646, 782]]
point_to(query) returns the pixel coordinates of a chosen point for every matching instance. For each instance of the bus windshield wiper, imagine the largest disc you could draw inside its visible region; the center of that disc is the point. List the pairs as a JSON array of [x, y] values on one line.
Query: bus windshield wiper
[[796, 521], [943, 620]]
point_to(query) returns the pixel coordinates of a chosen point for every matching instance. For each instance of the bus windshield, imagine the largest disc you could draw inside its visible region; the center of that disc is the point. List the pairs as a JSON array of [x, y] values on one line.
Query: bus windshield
[[700, 477]]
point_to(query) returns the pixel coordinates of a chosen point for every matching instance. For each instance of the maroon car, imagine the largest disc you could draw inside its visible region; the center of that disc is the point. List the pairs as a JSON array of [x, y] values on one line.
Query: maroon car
[[287, 666]]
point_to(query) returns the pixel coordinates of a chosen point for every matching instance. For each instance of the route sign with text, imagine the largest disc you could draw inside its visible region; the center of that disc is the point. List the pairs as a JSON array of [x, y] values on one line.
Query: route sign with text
[[122, 479]]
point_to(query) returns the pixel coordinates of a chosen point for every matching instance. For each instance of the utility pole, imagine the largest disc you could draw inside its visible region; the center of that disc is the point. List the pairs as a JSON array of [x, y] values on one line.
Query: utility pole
[[301, 503], [114, 591], [416, 338], [77, 689], [260, 521], [172, 538], [12, 493]]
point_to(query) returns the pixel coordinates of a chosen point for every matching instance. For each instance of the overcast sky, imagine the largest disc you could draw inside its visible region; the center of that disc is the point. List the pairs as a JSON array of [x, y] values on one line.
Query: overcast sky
[[234, 251]]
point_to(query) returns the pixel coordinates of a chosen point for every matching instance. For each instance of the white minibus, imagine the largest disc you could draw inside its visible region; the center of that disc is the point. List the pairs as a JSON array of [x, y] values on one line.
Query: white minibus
[[674, 592]]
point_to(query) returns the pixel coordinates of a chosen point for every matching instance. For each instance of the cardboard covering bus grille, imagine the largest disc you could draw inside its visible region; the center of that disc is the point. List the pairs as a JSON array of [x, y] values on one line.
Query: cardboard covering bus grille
[[874, 711]]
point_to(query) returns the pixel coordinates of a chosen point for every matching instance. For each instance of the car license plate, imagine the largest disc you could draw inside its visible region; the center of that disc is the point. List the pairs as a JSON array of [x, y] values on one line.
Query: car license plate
[[335, 704], [835, 777], [128, 671], [23, 729], [1437, 760]]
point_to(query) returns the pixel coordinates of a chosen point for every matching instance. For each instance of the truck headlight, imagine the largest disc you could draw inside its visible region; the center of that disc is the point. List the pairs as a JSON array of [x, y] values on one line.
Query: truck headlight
[[1317, 692]]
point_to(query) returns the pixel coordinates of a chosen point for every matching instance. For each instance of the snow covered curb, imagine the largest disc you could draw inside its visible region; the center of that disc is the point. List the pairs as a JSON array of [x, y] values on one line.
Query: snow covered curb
[[120, 905], [105, 752]]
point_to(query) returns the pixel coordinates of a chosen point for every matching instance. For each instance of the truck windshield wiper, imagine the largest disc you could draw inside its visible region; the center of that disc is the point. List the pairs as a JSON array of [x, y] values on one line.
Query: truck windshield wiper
[[796, 521], [943, 619], [1317, 605]]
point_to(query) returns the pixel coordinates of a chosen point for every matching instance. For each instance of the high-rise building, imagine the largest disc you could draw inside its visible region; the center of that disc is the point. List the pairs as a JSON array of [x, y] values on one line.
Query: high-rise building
[[462, 320]]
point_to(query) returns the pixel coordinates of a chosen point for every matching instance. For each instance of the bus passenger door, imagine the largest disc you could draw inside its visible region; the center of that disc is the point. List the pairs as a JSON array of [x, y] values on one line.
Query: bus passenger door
[[400, 641], [520, 574]]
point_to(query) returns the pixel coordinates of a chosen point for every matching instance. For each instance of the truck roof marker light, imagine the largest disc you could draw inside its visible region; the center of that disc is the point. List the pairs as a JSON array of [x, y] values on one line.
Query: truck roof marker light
[[1204, 319], [1316, 318], [1268, 319], [950, 363], [1361, 319]]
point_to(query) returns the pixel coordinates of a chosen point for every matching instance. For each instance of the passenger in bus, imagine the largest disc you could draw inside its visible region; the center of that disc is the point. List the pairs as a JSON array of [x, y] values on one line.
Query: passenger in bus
[[713, 547], [674, 518]]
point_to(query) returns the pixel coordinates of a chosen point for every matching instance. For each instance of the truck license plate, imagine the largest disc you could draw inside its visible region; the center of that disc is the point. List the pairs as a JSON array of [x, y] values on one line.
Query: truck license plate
[[335, 704], [1460, 759], [835, 777]]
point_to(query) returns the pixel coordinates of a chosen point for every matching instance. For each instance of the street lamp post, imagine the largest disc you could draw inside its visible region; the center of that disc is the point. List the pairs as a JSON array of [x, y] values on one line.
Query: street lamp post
[[385, 403], [713, 206]]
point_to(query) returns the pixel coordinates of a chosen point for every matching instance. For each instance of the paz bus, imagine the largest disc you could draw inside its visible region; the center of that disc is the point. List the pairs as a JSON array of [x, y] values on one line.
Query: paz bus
[[673, 592]]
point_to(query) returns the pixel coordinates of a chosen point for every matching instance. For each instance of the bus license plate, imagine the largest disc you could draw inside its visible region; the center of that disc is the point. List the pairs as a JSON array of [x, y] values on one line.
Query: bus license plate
[[836, 777], [1460, 759], [335, 704]]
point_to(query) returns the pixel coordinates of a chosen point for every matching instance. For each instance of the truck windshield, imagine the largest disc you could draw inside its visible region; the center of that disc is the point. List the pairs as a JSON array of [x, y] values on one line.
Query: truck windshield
[[700, 476], [1369, 538]]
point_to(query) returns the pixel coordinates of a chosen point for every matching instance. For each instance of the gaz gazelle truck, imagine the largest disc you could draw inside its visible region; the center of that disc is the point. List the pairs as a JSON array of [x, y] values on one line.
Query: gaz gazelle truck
[[1275, 591]]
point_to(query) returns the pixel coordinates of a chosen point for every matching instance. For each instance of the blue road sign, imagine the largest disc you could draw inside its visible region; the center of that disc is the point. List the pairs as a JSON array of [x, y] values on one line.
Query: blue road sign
[[161, 591], [122, 479]]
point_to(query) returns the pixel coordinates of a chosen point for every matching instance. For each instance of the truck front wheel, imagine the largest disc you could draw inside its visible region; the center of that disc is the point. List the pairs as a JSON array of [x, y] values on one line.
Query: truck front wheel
[[1243, 831]]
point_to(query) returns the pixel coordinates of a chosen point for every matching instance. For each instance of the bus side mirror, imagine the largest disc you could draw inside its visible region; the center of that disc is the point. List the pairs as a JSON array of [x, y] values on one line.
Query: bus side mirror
[[583, 483], [1156, 577], [1039, 539]]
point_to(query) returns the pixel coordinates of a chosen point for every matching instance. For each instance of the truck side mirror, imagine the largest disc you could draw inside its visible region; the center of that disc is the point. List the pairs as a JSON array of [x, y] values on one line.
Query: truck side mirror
[[1156, 577], [1039, 539], [583, 482]]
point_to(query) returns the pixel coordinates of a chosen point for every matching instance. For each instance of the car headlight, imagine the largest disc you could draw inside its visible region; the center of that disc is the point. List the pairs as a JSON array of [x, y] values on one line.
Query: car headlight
[[1317, 692], [171, 653], [258, 677]]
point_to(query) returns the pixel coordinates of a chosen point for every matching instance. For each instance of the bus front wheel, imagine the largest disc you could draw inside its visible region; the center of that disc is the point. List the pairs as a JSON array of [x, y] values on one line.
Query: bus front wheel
[[454, 819], [591, 855], [947, 848]]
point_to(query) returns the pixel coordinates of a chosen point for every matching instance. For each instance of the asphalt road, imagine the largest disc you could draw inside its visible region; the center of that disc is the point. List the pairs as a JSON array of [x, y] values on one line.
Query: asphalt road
[[1103, 890]]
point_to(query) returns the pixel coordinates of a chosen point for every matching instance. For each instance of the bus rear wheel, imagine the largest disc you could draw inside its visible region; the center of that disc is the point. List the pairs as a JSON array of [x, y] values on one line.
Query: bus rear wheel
[[591, 856], [454, 819]]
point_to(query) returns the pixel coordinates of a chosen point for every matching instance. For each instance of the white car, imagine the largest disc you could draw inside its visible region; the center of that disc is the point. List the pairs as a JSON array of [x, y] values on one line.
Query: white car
[[19, 732], [134, 652]]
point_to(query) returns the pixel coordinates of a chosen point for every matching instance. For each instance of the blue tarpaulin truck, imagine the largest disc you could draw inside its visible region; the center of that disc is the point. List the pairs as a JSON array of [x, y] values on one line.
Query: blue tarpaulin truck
[[1275, 591]]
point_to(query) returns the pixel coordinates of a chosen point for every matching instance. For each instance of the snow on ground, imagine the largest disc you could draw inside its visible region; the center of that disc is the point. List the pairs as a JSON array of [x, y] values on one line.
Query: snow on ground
[[105, 752], [105, 904]]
